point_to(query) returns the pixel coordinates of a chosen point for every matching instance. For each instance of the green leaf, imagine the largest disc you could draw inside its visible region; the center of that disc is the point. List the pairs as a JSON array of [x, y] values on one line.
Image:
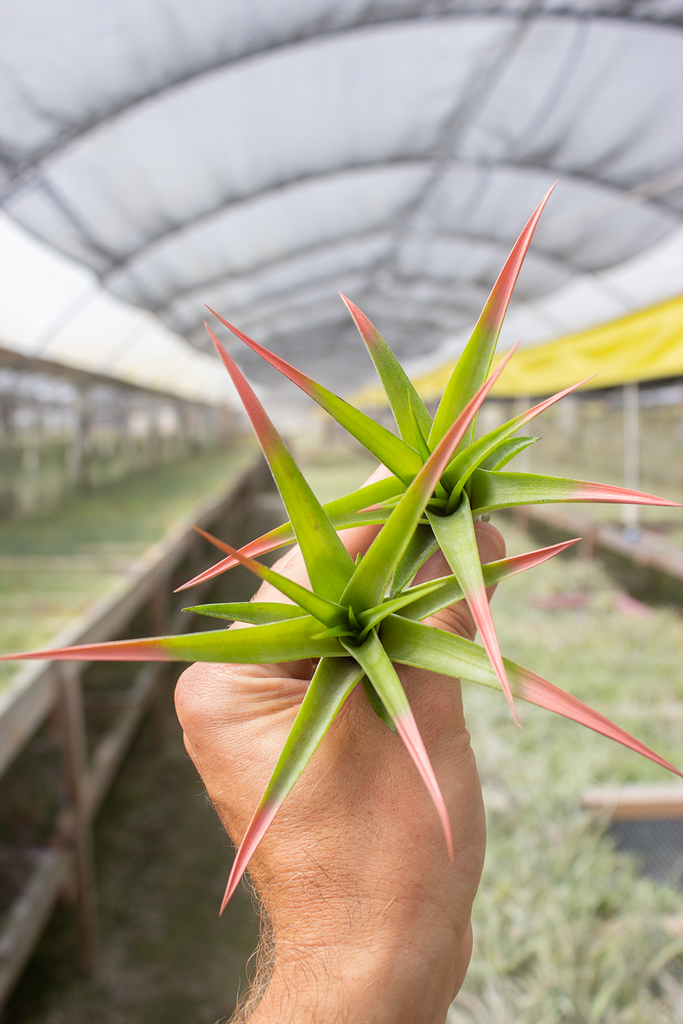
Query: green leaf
[[283, 535], [330, 614], [434, 650], [372, 657], [258, 613], [278, 641], [392, 452], [327, 560], [420, 439], [376, 704], [335, 631], [370, 618], [464, 464], [330, 686], [341, 520], [490, 491], [475, 362], [505, 451], [396, 383], [450, 590], [364, 497], [370, 579], [457, 539], [421, 546]]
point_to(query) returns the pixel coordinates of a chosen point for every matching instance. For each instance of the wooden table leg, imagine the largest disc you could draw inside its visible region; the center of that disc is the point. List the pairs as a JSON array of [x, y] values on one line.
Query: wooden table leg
[[80, 837]]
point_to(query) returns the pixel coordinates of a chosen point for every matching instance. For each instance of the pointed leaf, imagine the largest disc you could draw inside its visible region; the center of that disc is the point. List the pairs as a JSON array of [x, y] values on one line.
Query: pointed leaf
[[342, 514], [258, 613], [450, 591], [330, 686], [280, 537], [365, 497], [474, 363], [422, 646], [376, 704], [492, 490], [335, 631], [369, 581], [395, 454], [327, 560], [373, 616], [396, 383], [505, 451], [464, 464], [378, 668], [280, 641], [457, 539], [327, 612], [421, 546], [420, 439]]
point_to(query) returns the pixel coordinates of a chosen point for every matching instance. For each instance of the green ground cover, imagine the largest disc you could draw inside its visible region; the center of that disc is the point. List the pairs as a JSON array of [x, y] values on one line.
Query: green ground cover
[[56, 563], [566, 930]]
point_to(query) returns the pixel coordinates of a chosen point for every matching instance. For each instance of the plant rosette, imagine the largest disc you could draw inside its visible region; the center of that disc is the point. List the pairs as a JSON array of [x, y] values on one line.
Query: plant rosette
[[361, 618]]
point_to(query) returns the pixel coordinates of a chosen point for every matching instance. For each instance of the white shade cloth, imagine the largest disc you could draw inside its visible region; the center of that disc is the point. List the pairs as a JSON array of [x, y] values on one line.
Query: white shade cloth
[[260, 156]]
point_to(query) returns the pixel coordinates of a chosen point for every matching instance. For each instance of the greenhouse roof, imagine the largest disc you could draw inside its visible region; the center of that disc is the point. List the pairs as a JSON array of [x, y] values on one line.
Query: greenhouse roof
[[260, 157]]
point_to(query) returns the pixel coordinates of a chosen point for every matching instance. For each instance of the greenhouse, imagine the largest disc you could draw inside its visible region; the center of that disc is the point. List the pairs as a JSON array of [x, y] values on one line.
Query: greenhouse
[[160, 161]]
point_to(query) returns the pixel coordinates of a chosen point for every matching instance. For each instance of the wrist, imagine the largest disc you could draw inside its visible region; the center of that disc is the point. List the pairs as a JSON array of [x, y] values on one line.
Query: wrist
[[369, 984], [402, 967], [363, 933]]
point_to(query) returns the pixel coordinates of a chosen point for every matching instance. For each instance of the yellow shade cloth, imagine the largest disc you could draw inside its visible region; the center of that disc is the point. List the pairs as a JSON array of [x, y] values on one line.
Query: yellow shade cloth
[[647, 345]]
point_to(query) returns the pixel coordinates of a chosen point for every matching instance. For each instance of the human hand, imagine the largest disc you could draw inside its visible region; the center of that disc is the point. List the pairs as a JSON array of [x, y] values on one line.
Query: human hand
[[370, 920]]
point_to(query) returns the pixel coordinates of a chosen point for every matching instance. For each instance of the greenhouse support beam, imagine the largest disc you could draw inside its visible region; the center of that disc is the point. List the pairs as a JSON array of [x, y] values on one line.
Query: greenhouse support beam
[[631, 414]]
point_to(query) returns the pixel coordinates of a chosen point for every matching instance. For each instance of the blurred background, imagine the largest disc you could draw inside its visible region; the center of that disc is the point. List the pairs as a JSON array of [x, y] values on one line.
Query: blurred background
[[160, 156]]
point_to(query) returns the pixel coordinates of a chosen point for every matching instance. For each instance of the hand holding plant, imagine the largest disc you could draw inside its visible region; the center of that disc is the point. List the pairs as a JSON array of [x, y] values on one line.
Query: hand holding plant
[[366, 910], [360, 616]]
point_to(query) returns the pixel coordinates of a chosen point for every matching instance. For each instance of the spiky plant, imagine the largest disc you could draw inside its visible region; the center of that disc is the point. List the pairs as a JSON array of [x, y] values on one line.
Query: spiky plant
[[359, 618]]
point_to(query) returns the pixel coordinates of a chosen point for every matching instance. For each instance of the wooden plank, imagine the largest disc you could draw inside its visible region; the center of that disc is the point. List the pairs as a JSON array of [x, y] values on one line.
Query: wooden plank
[[75, 753], [29, 914], [636, 801], [650, 551], [39, 688], [35, 364], [112, 749], [23, 706]]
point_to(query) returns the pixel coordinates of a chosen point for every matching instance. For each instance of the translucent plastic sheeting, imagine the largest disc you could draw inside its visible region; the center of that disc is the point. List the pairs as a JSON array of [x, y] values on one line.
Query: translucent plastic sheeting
[[54, 308], [260, 157], [586, 302]]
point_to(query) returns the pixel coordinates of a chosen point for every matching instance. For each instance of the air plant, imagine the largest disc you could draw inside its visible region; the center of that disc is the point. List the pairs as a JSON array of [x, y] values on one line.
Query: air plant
[[361, 618]]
